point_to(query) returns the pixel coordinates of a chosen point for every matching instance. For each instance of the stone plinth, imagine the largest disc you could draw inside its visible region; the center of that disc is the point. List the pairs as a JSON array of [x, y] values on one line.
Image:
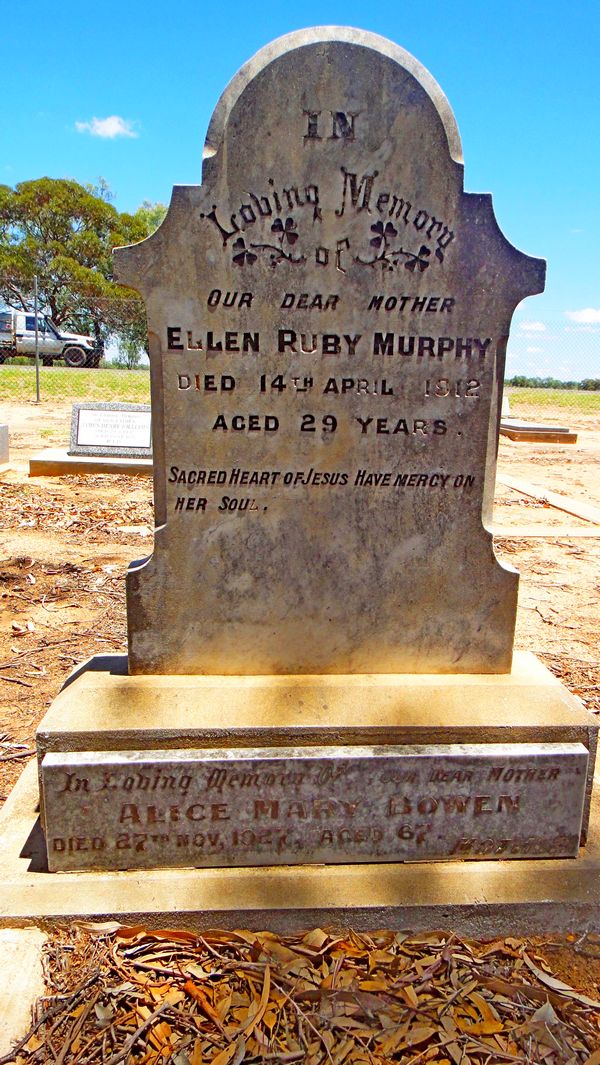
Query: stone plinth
[[103, 709], [307, 805]]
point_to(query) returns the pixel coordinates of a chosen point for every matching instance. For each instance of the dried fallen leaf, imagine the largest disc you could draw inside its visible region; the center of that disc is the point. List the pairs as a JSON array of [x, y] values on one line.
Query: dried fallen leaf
[[197, 1057], [558, 985], [262, 1005], [199, 996], [409, 994], [104, 1013], [231, 1055], [315, 939], [419, 1035], [545, 1014]]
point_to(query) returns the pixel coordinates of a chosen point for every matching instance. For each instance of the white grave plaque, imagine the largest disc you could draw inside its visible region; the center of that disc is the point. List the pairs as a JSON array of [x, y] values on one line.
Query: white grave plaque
[[119, 429]]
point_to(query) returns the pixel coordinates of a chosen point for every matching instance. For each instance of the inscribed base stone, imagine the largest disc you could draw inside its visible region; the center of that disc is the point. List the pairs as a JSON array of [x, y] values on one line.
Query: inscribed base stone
[[328, 316], [280, 806]]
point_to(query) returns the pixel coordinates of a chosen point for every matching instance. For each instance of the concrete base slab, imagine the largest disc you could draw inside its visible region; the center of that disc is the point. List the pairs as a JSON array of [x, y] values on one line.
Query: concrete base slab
[[539, 435], [55, 462], [474, 898], [552, 532], [21, 981]]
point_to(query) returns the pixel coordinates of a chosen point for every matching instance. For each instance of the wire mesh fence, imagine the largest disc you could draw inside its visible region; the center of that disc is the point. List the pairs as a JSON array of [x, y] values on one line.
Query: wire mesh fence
[[81, 357], [555, 362], [59, 382]]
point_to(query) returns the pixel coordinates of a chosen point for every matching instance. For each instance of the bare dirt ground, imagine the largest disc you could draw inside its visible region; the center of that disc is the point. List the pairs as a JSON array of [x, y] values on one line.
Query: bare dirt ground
[[66, 543]]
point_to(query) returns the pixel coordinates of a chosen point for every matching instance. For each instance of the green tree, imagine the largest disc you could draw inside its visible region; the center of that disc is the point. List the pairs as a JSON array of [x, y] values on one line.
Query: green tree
[[133, 336], [150, 215], [63, 233]]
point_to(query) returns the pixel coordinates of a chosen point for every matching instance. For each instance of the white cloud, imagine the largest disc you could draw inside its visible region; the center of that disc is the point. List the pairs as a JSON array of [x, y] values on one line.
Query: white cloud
[[533, 350], [586, 316], [532, 327], [111, 127]]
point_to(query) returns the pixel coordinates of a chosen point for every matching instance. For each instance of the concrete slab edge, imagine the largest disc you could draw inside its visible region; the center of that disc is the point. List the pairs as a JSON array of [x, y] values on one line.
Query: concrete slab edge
[[54, 462], [578, 507], [474, 898]]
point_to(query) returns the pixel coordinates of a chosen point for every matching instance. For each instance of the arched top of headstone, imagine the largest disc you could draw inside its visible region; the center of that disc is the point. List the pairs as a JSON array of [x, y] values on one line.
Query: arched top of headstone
[[278, 51]]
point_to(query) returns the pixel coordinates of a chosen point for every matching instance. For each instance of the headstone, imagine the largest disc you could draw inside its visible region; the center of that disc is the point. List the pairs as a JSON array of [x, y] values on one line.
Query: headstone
[[275, 806], [328, 316], [122, 430]]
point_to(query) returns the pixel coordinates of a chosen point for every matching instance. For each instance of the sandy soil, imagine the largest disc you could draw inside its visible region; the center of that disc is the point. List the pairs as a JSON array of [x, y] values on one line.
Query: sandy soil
[[66, 544]]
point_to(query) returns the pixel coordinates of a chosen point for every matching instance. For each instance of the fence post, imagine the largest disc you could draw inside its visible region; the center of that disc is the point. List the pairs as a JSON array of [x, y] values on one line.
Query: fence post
[[37, 343]]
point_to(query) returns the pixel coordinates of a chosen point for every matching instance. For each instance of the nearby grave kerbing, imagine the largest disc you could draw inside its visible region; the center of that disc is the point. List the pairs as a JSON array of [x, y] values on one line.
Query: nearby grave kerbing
[[537, 433], [4, 452]]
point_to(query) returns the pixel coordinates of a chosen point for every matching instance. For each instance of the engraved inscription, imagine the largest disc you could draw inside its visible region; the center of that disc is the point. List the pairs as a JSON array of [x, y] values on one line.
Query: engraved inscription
[[333, 805], [341, 125], [307, 357], [285, 217]]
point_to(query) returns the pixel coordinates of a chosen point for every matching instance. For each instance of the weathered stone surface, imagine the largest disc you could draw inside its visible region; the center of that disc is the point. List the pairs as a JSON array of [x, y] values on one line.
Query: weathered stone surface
[[273, 806], [101, 708], [111, 429], [328, 315], [3, 444]]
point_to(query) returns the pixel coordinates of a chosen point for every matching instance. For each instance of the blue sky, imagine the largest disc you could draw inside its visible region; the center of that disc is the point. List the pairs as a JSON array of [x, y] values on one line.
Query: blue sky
[[522, 78]]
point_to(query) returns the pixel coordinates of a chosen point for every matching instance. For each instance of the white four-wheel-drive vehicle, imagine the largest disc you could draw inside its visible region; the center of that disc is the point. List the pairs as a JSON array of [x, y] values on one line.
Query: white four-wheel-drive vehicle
[[17, 337]]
